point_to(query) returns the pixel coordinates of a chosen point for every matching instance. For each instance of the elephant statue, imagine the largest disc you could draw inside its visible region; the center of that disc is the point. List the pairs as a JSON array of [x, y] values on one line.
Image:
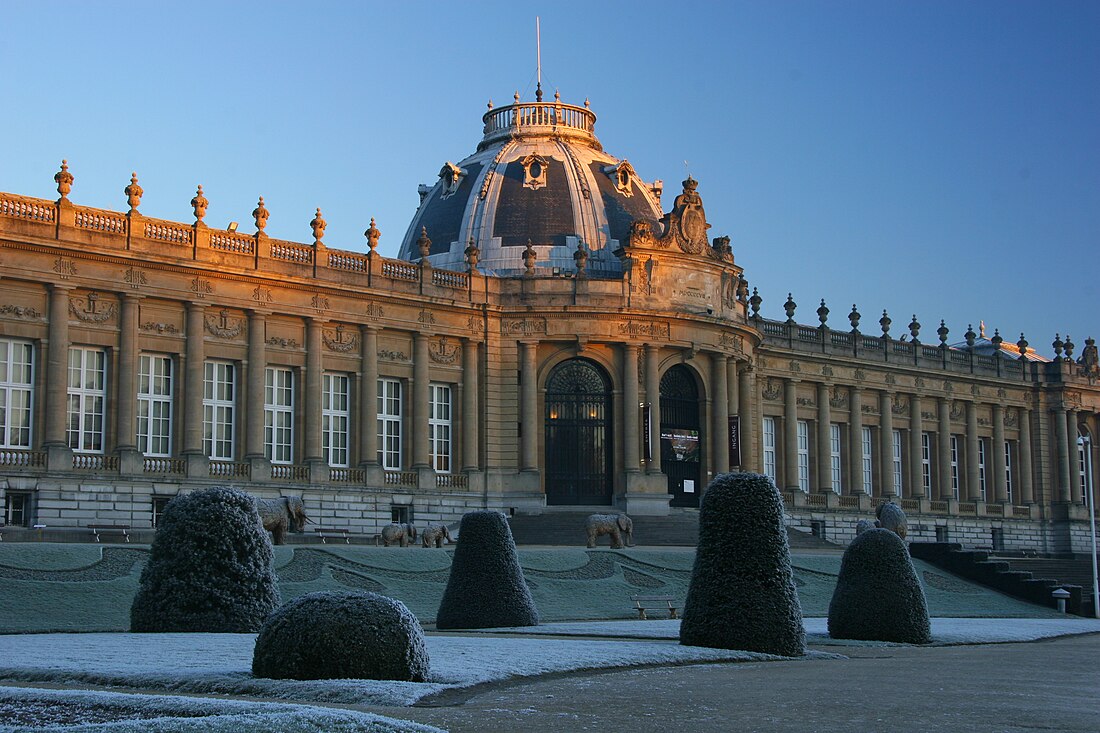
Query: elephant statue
[[402, 534], [892, 517], [616, 525], [286, 514], [435, 534]]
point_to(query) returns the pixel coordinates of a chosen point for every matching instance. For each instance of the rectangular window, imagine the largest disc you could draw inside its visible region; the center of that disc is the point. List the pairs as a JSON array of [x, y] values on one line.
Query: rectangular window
[[335, 417], [1008, 471], [159, 505], [87, 399], [898, 483], [279, 414], [16, 388], [867, 464], [955, 466], [389, 423], [17, 509], [218, 403], [981, 467], [154, 405], [803, 456], [926, 462], [769, 448], [439, 426], [834, 456], [1084, 462]]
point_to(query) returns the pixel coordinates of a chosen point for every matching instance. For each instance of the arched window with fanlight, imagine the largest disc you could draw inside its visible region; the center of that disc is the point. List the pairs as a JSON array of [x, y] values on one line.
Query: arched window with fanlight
[[680, 436], [578, 468]]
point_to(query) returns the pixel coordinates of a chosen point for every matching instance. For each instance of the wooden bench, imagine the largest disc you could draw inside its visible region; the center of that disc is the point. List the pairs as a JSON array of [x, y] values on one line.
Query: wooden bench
[[654, 603], [333, 533], [98, 530]]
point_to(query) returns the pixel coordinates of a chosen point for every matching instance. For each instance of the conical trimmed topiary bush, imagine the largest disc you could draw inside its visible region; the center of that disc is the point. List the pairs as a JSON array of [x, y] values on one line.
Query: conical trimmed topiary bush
[[742, 593], [878, 596], [211, 567], [486, 588], [328, 635]]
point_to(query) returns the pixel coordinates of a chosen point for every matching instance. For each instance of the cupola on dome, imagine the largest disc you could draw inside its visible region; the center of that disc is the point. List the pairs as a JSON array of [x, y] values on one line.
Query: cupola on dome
[[539, 177]]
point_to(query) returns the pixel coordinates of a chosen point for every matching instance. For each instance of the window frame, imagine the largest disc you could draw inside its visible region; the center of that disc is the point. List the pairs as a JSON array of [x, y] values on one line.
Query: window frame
[[9, 388], [768, 431], [336, 419], [219, 412], [440, 427], [279, 404], [148, 402], [86, 403], [390, 415], [802, 431]]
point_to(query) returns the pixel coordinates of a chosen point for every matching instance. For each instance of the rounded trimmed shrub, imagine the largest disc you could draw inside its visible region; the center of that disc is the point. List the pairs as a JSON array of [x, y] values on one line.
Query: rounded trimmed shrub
[[330, 635], [878, 596], [211, 567], [742, 593], [486, 588], [892, 517], [863, 525]]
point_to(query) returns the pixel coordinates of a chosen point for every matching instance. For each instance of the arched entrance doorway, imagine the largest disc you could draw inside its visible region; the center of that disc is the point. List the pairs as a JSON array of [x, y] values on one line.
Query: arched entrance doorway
[[578, 434], [680, 436]]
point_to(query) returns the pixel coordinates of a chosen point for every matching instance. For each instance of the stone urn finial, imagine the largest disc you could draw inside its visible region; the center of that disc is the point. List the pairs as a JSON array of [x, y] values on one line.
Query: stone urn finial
[[789, 308], [823, 313], [754, 303], [996, 340], [942, 332], [423, 244], [529, 258], [1069, 348], [914, 329], [970, 336], [64, 181], [884, 323], [1022, 346], [1057, 344], [853, 318], [199, 204], [580, 258], [473, 254], [318, 224], [260, 214], [372, 234], [133, 193]]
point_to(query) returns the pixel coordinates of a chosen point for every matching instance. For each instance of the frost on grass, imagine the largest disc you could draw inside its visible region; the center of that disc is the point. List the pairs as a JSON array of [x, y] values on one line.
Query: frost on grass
[[332, 635], [742, 593], [486, 587], [210, 568], [878, 596], [92, 712]]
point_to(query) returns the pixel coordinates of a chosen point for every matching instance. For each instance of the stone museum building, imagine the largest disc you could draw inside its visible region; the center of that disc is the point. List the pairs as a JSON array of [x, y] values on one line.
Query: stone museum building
[[555, 332]]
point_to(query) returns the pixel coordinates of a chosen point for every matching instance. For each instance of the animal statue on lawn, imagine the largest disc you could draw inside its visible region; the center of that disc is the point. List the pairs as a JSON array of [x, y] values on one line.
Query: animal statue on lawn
[[282, 515], [401, 533], [616, 525], [435, 534]]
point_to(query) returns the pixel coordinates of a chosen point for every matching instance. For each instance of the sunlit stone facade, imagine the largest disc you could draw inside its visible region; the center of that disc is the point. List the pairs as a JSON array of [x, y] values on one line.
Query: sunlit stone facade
[[547, 338]]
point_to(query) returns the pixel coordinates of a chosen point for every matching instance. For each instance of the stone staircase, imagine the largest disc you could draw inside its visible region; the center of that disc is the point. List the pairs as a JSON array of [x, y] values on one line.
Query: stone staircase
[[1075, 571], [678, 529]]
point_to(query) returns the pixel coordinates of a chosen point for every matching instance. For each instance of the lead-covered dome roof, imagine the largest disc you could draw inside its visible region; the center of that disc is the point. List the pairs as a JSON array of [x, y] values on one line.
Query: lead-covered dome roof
[[539, 175]]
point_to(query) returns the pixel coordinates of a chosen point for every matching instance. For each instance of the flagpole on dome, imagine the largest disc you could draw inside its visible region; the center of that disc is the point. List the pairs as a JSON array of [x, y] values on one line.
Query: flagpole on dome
[[538, 60]]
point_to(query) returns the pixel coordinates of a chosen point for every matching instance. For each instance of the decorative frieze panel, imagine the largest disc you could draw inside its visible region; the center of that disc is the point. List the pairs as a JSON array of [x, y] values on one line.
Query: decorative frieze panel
[[899, 406], [523, 326], [134, 277], [65, 267], [645, 329], [839, 398], [806, 402], [260, 294], [340, 341], [425, 318], [373, 311], [202, 287], [19, 311], [319, 302], [442, 352], [475, 324], [159, 328], [734, 342], [90, 310], [773, 390], [957, 411], [222, 326], [284, 343], [392, 355]]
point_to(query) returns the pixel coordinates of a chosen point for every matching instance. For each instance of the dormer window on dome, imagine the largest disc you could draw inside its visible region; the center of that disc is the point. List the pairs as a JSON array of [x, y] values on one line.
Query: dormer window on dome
[[451, 176], [534, 171], [622, 175]]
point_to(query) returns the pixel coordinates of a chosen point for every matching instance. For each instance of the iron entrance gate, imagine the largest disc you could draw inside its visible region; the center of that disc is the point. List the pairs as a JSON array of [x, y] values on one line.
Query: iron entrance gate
[[680, 437], [578, 434]]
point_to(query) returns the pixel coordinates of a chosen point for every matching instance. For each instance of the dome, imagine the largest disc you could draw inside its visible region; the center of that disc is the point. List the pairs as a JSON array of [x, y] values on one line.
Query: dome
[[539, 175]]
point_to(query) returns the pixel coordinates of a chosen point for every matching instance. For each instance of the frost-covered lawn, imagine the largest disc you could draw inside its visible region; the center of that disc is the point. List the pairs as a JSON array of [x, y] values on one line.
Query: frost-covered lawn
[[221, 663]]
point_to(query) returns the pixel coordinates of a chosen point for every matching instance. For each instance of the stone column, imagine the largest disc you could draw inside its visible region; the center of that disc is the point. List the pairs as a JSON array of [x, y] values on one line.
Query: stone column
[[631, 444], [746, 398], [1000, 484], [368, 396], [653, 397], [855, 442], [57, 369], [1062, 493], [720, 414], [973, 486], [254, 391], [944, 449], [418, 430], [886, 442], [311, 396], [1075, 494], [916, 449], [470, 427], [824, 444], [528, 404], [126, 418], [790, 435], [193, 378], [1027, 488]]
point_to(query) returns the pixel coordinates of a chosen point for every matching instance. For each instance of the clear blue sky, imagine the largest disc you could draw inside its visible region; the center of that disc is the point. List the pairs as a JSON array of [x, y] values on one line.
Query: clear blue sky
[[937, 158]]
